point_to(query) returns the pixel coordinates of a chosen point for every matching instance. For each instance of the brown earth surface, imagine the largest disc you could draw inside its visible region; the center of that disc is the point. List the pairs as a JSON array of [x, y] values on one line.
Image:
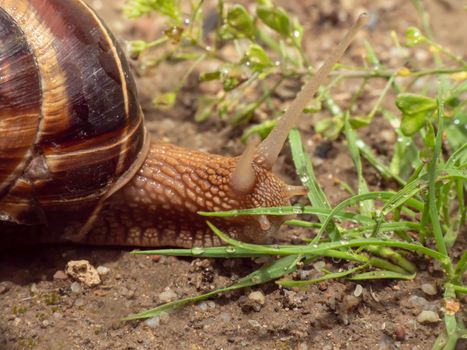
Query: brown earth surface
[[43, 309]]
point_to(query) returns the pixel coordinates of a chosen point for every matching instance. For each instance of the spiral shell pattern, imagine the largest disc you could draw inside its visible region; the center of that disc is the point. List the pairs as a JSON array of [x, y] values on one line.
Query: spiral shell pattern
[[70, 124]]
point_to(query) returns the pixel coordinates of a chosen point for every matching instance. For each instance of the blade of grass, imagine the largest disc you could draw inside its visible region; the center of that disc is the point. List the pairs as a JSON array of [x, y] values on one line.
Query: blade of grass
[[431, 202], [280, 211], [367, 207], [319, 248], [304, 169], [328, 276], [382, 274]]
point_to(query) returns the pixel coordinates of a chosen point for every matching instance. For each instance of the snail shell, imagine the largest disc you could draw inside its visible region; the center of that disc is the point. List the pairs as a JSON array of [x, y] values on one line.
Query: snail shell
[[70, 124]]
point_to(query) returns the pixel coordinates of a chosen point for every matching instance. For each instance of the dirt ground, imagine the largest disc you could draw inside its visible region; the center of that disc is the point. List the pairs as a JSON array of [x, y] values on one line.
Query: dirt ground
[[43, 309]]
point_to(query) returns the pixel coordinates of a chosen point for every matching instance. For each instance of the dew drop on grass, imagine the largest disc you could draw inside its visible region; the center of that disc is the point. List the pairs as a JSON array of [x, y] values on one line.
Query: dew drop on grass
[[297, 210], [457, 122], [360, 143], [304, 178], [197, 251], [230, 250], [256, 279], [296, 34]]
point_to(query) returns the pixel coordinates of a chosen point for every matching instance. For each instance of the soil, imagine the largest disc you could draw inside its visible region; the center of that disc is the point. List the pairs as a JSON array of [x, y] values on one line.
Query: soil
[[42, 308]]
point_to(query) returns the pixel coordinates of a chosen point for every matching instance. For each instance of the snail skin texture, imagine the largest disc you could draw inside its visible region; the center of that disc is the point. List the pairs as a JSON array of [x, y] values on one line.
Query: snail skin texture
[[76, 162]]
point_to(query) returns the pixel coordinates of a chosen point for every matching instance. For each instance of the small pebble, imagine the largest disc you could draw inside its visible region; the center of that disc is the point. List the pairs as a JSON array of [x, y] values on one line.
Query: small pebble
[[33, 289], [304, 274], [164, 317], [429, 289], [427, 316], [254, 323], [102, 270], [358, 290], [257, 297], [153, 322], [211, 304], [79, 302], [226, 317], [75, 287], [399, 332], [415, 300], [167, 295], [60, 275], [319, 265], [203, 306], [83, 271]]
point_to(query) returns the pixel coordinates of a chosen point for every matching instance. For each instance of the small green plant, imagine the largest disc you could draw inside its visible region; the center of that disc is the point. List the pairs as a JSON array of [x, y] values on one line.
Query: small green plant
[[372, 231]]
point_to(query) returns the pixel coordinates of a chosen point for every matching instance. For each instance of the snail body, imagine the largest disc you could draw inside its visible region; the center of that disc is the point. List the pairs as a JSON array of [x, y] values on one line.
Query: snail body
[[76, 162]]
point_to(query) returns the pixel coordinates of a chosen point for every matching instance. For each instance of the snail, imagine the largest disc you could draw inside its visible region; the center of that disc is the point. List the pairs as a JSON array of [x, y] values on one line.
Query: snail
[[76, 162]]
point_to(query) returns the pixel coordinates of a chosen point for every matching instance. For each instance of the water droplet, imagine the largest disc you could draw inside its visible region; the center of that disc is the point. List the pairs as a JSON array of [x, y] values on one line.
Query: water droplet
[[277, 63], [314, 245], [256, 279], [297, 210], [296, 34], [230, 250], [456, 122], [304, 179], [197, 251], [186, 21], [248, 63], [360, 143]]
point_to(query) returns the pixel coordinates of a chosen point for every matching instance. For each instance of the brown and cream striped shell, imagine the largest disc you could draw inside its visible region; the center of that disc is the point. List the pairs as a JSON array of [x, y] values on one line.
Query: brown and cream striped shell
[[71, 130]]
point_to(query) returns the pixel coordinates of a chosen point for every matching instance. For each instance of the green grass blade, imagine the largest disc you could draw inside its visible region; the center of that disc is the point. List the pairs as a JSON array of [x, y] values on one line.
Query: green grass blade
[[280, 211], [382, 274], [328, 276], [367, 207], [307, 176], [433, 209]]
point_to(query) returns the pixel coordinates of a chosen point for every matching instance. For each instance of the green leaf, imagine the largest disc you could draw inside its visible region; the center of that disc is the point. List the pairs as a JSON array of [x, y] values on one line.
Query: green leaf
[[263, 129], [330, 128], [138, 8], [275, 18], [205, 108], [413, 103], [216, 75], [257, 59], [413, 36], [358, 122], [165, 101], [411, 123], [241, 22]]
